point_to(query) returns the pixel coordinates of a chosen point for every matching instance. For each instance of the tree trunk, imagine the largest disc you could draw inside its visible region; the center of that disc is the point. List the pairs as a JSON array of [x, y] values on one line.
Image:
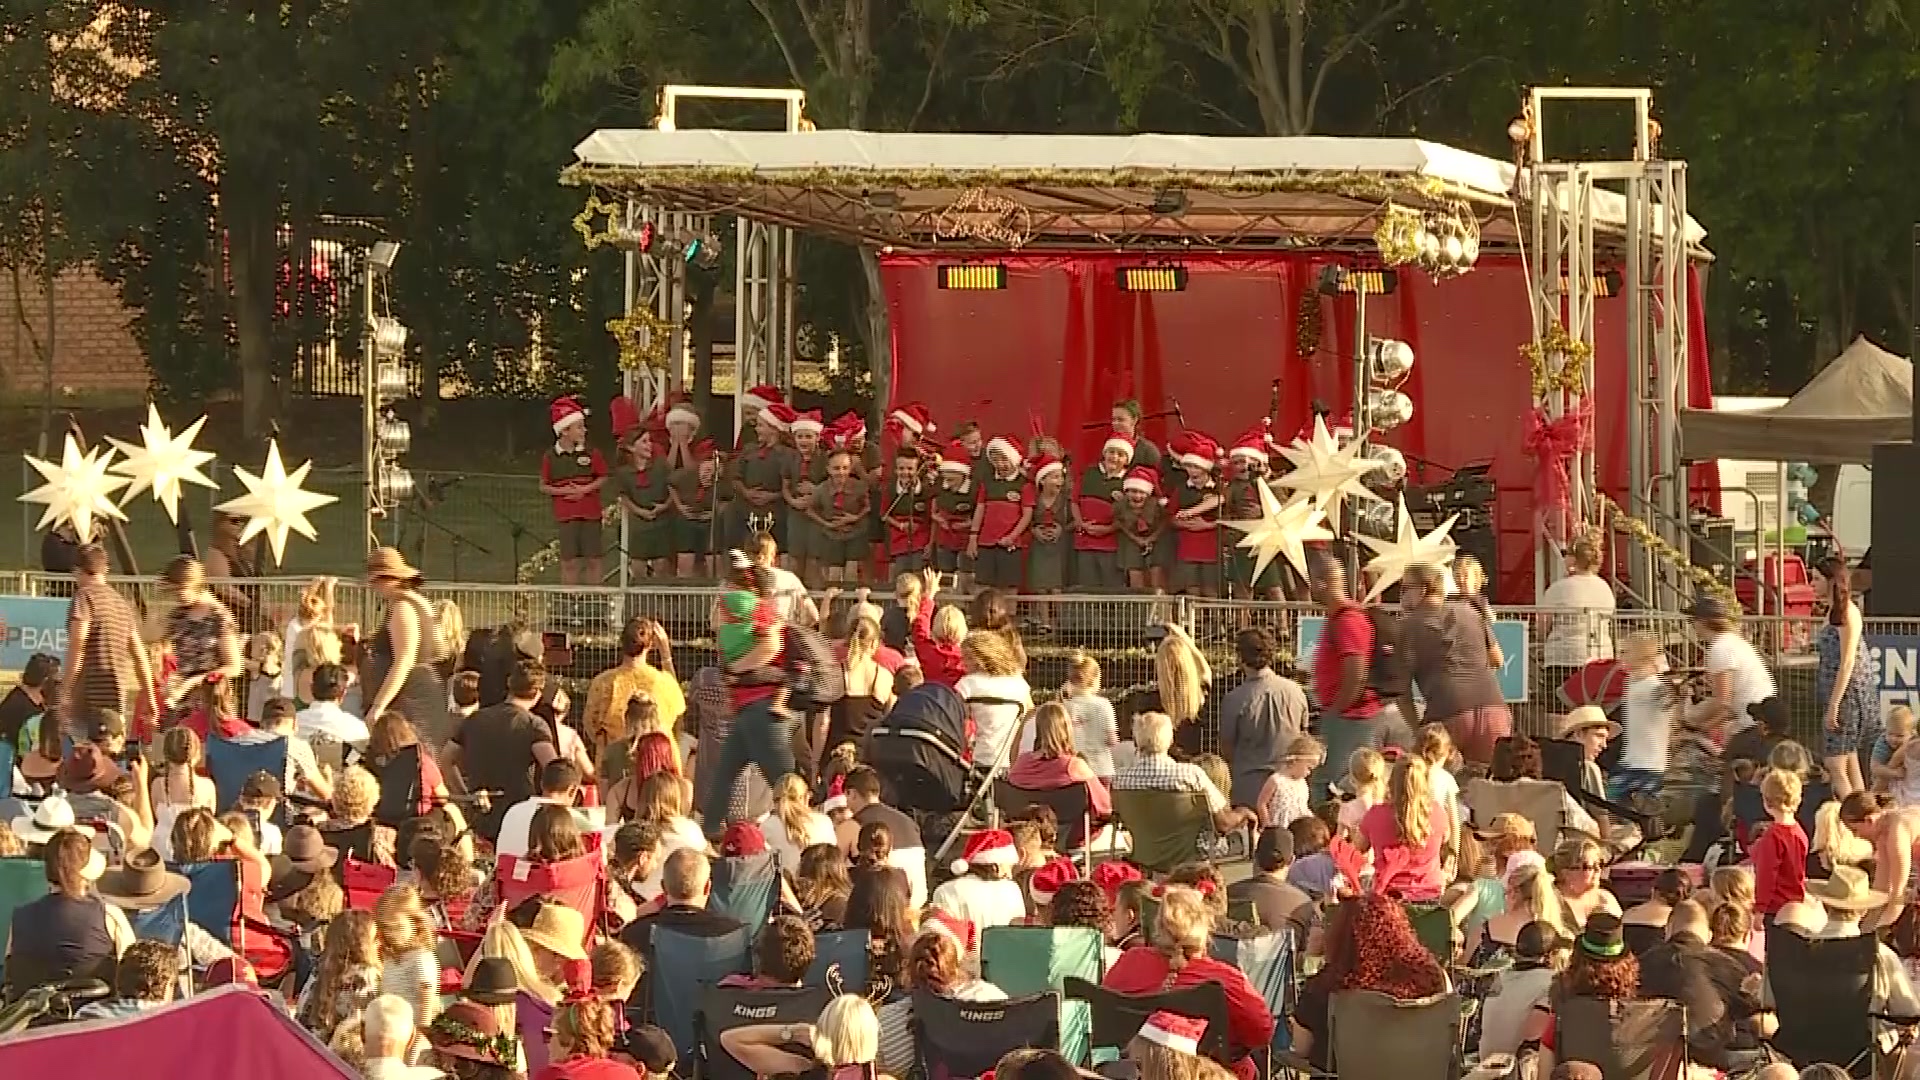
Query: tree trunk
[[249, 221]]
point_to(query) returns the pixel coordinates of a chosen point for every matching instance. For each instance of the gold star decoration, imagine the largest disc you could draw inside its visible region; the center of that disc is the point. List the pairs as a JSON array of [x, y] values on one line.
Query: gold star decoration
[[162, 462], [642, 337], [276, 503], [1281, 529], [1327, 472], [583, 221], [77, 491], [1408, 548]]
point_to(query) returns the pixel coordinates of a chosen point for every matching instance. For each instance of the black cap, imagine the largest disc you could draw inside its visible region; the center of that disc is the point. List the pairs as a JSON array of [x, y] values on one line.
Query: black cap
[[1274, 850], [1770, 713], [651, 1048], [492, 982], [104, 725]]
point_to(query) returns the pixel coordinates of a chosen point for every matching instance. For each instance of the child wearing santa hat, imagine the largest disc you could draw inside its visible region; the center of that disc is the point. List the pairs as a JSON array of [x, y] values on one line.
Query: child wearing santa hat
[[1095, 544], [692, 493], [756, 480], [1193, 558], [953, 507], [1052, 526], [1000, 517], [572, 474], [984, 893], [1247, 462], [1139, 518], [905, 509], [806, 469], [641, 483]]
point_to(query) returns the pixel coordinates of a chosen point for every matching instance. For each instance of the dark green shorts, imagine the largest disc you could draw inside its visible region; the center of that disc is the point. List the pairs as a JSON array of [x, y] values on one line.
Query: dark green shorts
[[580, 540]]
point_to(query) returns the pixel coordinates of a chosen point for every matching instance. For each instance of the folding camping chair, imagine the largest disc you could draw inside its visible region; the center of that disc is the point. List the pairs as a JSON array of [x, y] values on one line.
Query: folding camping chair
[[723, 1008], [1118, 1017], [1270, 960], [1539, 801], [578, 883], [166, 924], [1433, 925], [22, 881], [1373, 1034], [747, 888], [684, 967], [363, 882], [213, 901], [230, 763], [1629, 1040], [1823, 996], [1166, 827], [1072, 806], [962, 1040], [840, 961], [1023, 960]]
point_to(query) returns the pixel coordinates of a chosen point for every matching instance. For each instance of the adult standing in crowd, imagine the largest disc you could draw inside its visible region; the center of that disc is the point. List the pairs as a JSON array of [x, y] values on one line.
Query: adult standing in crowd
[[753, 643], [107, 664], [401, 657], [498, 748], [1259, 719], [228, 563], [1844, 686], [27, 699], [1445, 648], [642, 642], [1578, 621], [1736, 676], [1350, 708], [202, 635]]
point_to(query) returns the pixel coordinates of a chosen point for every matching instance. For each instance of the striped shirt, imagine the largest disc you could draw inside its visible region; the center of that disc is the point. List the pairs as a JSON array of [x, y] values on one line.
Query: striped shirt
[[107, 675]]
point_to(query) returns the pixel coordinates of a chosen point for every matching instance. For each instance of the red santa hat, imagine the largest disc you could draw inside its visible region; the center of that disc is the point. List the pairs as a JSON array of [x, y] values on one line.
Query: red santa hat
[[1253, 444], [763, 396], [1008, 447], [1114, 875], [988, 847], [1049, 877], [912, 420], [681, 411], [1046, 465], [1118, 440], [566, 412], [1204, 887], [961, 932], [780, 415], [1175, 1032], [705, 450], [808, 421], [1141, 479], [625, 416], [851, 425], [1193, 448], [1340, 427], [836, 795], [956, 458]]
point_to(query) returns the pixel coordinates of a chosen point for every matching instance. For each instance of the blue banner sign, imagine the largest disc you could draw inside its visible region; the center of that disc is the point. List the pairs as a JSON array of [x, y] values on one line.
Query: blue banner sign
[[1893, 660], [28, 625], [1510, 633]]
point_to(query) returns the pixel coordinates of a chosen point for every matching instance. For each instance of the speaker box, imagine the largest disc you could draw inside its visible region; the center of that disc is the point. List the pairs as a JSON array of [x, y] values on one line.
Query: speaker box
[[1481, 542], [1896, 531]]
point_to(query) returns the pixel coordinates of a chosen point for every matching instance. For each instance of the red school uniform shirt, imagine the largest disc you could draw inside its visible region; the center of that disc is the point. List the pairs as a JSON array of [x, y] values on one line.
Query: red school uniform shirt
[[1003, 500], [1345, 633], [1779, 866], [563, 465]]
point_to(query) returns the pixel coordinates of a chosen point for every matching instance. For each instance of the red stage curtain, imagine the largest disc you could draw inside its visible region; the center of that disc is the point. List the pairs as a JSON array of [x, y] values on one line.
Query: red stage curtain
[[1062, 342]]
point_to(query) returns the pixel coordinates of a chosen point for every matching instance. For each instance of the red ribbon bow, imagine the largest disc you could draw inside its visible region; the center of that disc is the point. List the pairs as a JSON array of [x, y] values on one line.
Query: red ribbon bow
[[1552, 442]]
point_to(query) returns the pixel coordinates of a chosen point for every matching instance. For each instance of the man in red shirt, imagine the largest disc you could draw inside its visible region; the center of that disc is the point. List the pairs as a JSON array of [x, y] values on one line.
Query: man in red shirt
[[572, 473], [1349, 707]]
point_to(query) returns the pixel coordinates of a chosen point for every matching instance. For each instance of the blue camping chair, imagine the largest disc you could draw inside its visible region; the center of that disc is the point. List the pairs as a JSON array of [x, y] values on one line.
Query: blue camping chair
[[1024, 960], [684, 967], [230, 763], [1269, 959], [166, 923], [746, 888], [22, 881], [213, 903], [840, 961]]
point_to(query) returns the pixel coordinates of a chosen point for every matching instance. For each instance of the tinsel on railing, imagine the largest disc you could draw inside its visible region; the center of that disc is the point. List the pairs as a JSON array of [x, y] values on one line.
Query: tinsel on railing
[[1307, 323], [1703, 579]]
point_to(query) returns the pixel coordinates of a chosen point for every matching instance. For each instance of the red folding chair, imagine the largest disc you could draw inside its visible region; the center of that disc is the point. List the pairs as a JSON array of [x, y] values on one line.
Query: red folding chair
[[363, 882], [578, 883]]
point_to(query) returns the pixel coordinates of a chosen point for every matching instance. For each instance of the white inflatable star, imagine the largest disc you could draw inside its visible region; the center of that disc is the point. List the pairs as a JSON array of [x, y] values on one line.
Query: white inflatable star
[[1327, 472], [162, 462], [1281, 529], [77, 491], [1407, 548], [275, 503]]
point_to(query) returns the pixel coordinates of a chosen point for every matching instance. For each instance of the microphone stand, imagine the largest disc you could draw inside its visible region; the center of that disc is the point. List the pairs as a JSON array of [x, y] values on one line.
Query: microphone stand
[[713, 511]]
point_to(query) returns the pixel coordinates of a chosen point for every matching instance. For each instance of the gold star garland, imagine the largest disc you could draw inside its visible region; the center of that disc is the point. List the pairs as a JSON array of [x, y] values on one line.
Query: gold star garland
[[1557, 361], [1397, 236], [583, 222], [643, 338], [1702, 578]]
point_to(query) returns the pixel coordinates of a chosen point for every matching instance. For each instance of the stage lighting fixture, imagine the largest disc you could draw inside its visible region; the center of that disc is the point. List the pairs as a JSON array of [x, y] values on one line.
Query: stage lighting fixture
[[972, 277], [396, 437], [1335, 280], [1152, 278], [395, 485], [702, 251], [390, 382], [1388, 409], [1389, 361], [389, 337], [1607, 282], [1393, 463], [383, 254]]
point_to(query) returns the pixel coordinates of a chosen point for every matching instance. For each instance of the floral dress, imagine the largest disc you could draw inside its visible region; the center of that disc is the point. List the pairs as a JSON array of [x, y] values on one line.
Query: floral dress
[[1858, 720]]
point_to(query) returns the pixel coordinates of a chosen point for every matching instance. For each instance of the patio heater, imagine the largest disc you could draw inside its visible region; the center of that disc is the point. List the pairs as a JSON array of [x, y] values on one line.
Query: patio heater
[[1896, 495]]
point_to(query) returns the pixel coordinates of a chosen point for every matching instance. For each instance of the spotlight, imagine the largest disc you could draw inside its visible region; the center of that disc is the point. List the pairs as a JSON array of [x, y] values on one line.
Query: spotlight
[[1377, 519], [1393, 463], [389, 337], [383, 254], [1388, 409], [1389, 360], [1520, 130], [702, 252], [396, 436], [394, 485], [390, 382]]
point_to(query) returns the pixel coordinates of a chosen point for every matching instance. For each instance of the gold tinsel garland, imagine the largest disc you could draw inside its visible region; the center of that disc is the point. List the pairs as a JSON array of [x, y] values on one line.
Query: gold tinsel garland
[[643, 338], [583, 222], [1702, 578], [1307, 324], [1398, 235], [1557, 361]]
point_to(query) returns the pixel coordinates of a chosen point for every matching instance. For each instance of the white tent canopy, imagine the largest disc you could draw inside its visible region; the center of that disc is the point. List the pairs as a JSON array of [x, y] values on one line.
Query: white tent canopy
[[1864, 397], [905, 175]]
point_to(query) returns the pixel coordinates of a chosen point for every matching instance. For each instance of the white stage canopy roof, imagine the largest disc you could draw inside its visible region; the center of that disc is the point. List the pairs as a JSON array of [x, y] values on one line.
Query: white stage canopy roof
[[1067, 190]]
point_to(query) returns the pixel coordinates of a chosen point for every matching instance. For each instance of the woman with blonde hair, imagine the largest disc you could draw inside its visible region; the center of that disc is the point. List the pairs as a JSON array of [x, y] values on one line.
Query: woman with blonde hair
[[178, 787], [870, 691], [1577, 865], [793, 825], [1181, 676], [450, 628], [1179, 959], [408, 966], [996, 693], [1096, 731], [533, 1000], [349, 974], [1167, 1047], [1054, 763], [846, 1038], [1407, 835], [1529, 898], [314, 610]]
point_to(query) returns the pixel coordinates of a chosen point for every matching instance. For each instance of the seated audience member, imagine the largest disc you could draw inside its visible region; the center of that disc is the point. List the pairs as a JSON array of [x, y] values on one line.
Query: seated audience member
[[821, 886], [1529, 898], [1313, 871], [686, 883], [632, 868], [906, 852], [1277, 903], [984, 893], [580, 1042], [1645, 923], [70, 933], [1847, 896], [1407, 835], [1518, 990], [350, 829], [1168, 1046], [411, 783], [1180, 959], [793, 824], [470, 1043], [463, 695], [782, 953], [387, 1035], [625, 764], [559, 786], [1054, 763], [649, 1050], [1370, 945], [933, 966], [149, 971], [1601, 967], [27, 701], [1579, 866], [878, 905], [304, 775], [1038, 1063], [1154, 770], [90, 766], [1080, 903], [1125, 892], [614, 972], [325, 719], [843, 1042], [1677, 968]]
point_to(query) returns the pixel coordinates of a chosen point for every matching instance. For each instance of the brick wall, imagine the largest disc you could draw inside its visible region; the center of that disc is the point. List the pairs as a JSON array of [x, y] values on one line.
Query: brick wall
[[94, 353]]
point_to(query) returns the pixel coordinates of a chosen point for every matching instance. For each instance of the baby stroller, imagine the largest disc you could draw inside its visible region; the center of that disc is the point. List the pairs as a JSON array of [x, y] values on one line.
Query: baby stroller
[[920, 752]]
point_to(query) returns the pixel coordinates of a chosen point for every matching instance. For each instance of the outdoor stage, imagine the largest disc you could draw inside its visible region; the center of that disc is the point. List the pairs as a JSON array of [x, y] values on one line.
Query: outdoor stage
[[1251, 222]]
